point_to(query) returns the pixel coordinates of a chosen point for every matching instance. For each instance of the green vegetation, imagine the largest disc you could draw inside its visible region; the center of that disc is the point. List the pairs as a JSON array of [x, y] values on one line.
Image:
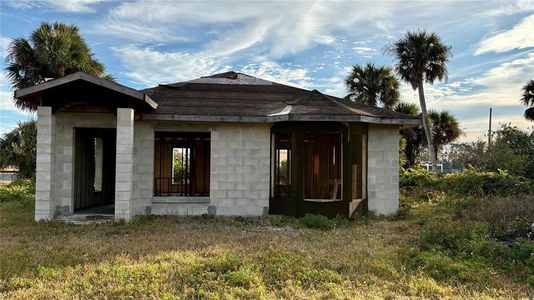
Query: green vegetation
[[18, 148], [373, 85], [528, 100], [442, 243], [422, 57], [52, 50], [512, 149], [459, 234]]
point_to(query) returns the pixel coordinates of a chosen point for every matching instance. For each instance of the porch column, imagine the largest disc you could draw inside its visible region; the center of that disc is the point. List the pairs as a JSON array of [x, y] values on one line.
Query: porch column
[[44, 186], [124, 163]]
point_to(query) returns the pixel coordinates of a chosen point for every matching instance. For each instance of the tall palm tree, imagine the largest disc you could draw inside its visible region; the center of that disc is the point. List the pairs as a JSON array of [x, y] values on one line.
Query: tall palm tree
[[422, 57], [445, 129], [52, 51], [414, 137], [373, 85], [528, 100]]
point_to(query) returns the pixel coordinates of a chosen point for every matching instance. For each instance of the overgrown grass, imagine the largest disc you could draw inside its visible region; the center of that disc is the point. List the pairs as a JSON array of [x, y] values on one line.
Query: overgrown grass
[[439, 245], [461, 216]]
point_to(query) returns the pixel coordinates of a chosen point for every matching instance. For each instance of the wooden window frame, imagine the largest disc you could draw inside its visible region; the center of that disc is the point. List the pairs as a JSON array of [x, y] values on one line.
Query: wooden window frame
[[197, 166]]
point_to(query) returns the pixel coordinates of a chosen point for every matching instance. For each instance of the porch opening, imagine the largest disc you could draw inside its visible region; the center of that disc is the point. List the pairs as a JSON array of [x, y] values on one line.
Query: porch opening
[[318, 167], [182, 164], [94, 171]]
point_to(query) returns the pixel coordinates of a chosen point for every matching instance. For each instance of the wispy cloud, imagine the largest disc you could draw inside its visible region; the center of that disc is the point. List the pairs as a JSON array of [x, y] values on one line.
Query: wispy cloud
[[147, 66], [518, 37], [279, 27], [74, 6], [511, 7], [498, 87]]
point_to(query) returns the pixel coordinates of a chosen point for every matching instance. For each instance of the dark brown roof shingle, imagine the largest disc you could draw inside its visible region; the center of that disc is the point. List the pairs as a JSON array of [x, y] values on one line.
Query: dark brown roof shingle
[[240, 95]]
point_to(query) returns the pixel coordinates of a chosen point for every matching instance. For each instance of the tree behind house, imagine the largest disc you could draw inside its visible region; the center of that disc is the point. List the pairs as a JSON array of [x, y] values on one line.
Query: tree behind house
[[18, 148], [528, 100], [445, 129], [512, 150], [372, 85], [422, 57], [51, 51], [413, 137]]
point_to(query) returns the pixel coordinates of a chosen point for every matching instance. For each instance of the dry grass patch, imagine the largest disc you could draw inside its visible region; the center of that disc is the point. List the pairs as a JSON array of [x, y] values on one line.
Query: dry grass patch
[[195, 258]]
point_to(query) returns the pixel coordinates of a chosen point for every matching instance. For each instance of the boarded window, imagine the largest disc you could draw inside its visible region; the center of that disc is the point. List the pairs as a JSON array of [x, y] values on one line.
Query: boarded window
[[181, 164]]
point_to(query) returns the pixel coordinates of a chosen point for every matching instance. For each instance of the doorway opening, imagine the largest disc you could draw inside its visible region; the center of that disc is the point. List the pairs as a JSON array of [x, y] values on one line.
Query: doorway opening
[[94, 171]]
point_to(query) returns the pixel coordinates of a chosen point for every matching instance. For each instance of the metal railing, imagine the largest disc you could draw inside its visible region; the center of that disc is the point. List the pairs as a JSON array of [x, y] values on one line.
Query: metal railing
[[166, 186]]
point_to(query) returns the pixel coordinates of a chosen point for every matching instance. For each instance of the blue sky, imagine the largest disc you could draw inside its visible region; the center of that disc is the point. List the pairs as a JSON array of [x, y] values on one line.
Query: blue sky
[[311, 44]]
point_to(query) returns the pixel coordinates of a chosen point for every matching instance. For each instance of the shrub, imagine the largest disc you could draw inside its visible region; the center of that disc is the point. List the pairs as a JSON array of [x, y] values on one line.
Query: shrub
[[316, 222], [501, 213], [475, 182], [21, 190], [417, 178]]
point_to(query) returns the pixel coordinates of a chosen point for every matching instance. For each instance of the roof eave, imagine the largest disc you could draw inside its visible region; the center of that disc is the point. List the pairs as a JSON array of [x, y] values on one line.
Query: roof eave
[[281, 118], [29, 91]]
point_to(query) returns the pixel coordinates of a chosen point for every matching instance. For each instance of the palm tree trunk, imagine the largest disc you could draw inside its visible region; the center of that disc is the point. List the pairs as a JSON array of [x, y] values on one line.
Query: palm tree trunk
[[426, 126]]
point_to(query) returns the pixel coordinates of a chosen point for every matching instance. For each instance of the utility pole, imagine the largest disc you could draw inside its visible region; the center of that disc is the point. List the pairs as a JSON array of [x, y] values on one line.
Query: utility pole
[[489, 130]]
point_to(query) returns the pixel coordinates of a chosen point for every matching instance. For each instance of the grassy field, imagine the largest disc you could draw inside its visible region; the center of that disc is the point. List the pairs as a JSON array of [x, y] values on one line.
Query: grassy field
[[438, 246]]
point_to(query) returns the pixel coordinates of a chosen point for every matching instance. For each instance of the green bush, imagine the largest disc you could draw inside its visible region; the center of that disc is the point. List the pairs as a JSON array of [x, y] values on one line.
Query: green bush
[[417, 178], [468, 182], [317, 222], [21, 190], [498, 183]]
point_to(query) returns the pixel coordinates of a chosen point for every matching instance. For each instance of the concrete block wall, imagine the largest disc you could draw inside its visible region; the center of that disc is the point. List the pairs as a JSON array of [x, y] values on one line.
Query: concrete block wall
[[239, 170], [383, 169], [240, 155], [45, 179], [239, 180], [124, 164], [143, 168]]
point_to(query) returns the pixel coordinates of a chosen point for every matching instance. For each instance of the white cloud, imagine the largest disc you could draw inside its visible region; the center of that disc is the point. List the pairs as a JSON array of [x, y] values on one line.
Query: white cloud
[[75, 6], [511, 7], [274, 28], [498, 87], [148, 66], [273, 71], [518, 37], [4, 45]]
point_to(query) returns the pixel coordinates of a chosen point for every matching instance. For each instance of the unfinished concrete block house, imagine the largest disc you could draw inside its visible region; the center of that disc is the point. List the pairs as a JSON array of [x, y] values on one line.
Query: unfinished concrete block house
[[227, 145]]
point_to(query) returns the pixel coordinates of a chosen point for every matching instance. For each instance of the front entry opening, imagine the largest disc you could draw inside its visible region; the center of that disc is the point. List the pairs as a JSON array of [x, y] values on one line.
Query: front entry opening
[[94, 171]]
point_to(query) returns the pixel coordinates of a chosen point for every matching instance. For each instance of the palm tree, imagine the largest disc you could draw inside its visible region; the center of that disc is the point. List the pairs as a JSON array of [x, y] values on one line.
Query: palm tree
[[528, 100], [413, 137], [52, 51], [445, 129], [372, 85], [422, 57]]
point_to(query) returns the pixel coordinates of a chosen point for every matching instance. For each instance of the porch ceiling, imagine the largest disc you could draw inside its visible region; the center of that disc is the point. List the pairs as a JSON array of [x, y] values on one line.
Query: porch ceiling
[[82, 89]]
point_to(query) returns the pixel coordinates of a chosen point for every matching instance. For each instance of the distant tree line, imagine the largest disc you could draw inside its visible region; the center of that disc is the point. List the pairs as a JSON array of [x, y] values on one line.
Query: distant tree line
[[512, 149]]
